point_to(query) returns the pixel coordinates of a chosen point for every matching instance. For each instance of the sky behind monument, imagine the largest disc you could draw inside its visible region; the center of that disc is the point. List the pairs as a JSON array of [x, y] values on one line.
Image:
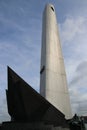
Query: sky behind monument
[[20, 45]]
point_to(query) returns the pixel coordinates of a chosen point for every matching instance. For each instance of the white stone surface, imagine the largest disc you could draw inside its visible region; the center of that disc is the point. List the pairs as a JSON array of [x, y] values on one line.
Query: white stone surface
[[53, 84]]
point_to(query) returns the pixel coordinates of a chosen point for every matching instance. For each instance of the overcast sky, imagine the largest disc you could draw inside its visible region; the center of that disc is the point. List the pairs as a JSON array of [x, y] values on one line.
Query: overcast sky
[[20, 45]]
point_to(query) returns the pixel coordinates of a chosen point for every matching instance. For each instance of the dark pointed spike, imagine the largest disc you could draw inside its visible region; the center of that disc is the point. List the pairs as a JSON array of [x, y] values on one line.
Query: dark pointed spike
[[25, 104]]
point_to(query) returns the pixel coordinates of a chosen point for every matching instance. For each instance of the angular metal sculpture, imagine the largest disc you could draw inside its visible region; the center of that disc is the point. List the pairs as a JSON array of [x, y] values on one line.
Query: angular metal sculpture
[[53, 84], [26, 105]]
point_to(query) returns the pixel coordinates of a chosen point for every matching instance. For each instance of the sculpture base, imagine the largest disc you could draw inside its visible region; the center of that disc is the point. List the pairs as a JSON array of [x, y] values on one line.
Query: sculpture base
[[29, 126]]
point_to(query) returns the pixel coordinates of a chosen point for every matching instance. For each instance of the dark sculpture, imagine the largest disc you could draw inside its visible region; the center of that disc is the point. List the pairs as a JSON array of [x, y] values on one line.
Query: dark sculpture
[[28, 109], [26, 105]]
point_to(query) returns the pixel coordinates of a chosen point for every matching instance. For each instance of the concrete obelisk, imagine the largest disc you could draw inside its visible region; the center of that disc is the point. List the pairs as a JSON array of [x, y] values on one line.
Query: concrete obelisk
[[53, 84]]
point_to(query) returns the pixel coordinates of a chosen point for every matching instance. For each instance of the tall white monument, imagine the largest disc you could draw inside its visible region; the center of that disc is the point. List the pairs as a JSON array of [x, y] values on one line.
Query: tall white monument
[[53, 84]]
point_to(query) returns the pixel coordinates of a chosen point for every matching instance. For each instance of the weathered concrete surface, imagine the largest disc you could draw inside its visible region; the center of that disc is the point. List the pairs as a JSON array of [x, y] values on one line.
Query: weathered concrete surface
[[53, 84]]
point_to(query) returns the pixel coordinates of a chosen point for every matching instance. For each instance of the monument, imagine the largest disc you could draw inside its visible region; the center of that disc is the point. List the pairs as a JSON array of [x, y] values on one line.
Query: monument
[[27, 108], [53, 84]]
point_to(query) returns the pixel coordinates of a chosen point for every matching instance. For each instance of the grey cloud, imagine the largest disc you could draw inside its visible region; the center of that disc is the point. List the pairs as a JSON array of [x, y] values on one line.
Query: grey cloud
[[78, 90], [82, 108], [82, 67], [81, 73]]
